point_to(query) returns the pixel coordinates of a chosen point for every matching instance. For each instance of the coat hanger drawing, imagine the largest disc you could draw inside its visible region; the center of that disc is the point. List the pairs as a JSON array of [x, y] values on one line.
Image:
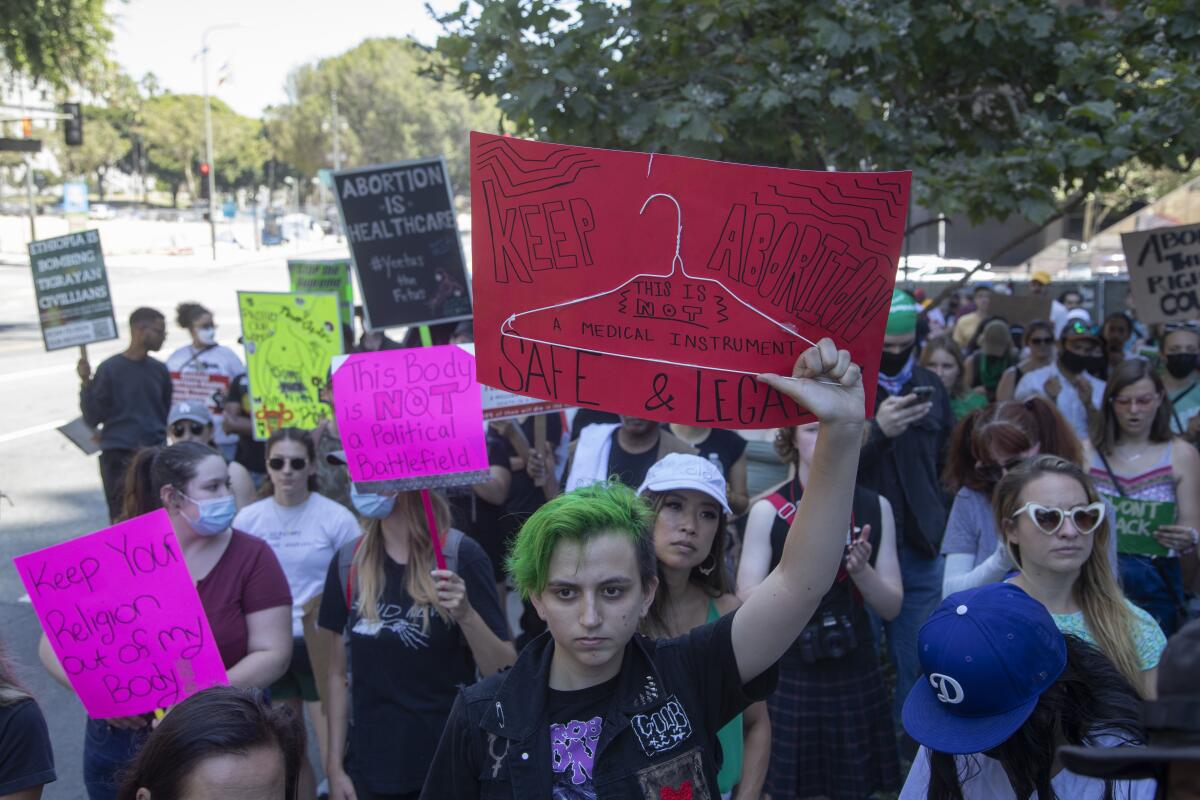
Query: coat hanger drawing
[[507, 326]]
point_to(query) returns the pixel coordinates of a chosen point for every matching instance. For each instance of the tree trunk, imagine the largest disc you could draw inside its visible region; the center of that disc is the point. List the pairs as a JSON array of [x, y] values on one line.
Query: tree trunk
[[175, 194]]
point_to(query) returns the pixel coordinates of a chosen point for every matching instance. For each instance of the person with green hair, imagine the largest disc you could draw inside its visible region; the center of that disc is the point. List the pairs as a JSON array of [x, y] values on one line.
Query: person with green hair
[[593, 709], [902, 461]]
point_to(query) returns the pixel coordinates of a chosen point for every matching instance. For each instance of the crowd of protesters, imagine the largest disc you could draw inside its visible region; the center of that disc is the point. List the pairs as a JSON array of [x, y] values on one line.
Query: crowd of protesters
[[930, 602]]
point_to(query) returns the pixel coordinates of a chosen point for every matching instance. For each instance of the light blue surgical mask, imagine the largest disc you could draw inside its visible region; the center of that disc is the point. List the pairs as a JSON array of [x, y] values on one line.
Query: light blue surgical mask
[[371, 505], [216, 514]]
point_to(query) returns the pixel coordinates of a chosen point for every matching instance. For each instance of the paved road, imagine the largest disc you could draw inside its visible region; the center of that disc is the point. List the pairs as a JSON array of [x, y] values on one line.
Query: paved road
[[53, 490]]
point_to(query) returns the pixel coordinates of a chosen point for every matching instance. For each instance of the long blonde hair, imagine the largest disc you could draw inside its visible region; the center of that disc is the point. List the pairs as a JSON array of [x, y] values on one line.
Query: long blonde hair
[[370, 557], [1105, 610]]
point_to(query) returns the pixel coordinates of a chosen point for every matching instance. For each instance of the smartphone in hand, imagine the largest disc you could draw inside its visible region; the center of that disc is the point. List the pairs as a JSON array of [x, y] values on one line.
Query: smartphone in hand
[[923, 393]]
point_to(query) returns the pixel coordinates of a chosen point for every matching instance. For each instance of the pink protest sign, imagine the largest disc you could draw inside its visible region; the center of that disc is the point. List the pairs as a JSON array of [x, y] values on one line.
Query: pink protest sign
[[410, 419], [123, 616]]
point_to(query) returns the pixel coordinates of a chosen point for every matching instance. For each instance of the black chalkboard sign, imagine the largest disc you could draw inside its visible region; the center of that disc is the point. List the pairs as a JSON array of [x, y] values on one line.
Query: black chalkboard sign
[[403, 237]]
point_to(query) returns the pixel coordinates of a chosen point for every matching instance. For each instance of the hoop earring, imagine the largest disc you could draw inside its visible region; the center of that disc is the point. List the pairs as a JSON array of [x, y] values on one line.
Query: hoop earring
[[708, 571]]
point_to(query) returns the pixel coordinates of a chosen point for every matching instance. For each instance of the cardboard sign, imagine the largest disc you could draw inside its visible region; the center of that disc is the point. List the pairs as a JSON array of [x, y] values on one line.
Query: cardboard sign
[[658, 286], [71, 285], [1020, 310], [122, 614], [328, 276], [290, 339], [1164, 272], [410, 419], [403, 237], [1137, 520]]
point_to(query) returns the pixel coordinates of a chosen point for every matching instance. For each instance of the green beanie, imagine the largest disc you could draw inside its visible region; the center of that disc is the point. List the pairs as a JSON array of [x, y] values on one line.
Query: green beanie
[[902, 318]]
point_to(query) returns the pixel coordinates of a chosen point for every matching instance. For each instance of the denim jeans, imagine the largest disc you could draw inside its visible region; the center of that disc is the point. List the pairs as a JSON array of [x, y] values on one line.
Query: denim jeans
[[1155, 585], [922, 578], [107, 753]]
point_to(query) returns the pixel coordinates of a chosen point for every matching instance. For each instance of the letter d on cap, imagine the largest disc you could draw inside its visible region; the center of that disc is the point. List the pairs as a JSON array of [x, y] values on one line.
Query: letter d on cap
[[948, 689]]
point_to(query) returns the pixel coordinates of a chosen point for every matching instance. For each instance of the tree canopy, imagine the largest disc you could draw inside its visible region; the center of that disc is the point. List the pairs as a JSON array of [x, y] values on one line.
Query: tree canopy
[[1000, 107], [53, 40], [391, 110]]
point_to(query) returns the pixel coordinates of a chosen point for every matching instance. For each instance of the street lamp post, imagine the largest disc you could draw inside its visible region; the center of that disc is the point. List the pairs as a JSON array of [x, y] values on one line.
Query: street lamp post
[[208, 137]]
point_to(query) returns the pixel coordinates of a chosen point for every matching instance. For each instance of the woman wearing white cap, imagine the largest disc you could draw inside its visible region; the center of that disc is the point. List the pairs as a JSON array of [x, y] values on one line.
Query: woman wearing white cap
[[688, 495]]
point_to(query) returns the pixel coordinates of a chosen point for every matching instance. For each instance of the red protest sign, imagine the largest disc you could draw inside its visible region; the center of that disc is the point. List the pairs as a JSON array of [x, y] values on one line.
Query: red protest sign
[[658, 286]]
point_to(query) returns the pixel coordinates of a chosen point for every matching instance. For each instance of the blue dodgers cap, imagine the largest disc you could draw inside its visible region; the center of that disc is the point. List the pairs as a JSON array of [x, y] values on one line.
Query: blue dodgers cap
[[987, 654]]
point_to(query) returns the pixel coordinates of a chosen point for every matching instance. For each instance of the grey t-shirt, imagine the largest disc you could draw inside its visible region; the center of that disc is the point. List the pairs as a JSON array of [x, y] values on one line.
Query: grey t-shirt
[[971, 527]]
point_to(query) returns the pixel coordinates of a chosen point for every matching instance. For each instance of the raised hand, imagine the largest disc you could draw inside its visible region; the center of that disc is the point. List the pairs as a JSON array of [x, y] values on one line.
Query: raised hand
[[825, 382]]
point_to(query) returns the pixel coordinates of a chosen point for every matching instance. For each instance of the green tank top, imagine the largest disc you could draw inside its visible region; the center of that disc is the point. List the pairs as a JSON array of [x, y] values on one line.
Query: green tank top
[[730, 736]]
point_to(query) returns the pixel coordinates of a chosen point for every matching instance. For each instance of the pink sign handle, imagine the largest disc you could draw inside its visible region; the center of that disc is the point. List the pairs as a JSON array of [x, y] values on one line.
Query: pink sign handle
[[434, 534]]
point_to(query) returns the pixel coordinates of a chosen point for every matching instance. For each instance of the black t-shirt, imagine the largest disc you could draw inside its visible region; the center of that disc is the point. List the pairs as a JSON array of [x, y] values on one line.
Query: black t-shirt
[[723, 448], [576, 719], [405, 676], [26, 759], [478, 518], [524, 497], [630, 468], [250, 454]]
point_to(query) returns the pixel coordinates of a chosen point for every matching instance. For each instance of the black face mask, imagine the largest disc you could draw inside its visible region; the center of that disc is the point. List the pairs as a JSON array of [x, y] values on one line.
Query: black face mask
[[1075, 363], [891, 363], [1180, 365]]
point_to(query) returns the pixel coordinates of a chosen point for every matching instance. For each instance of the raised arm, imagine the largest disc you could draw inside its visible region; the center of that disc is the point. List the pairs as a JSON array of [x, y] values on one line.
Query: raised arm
[[827, 384]]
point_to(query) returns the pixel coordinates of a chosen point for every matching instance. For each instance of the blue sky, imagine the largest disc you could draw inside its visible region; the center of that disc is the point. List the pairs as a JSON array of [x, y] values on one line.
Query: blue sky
[[272, 37]]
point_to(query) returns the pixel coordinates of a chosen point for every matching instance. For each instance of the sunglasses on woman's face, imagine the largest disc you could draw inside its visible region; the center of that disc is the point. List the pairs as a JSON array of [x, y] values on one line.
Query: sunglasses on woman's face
[[1049, 519], [179, 429], [296, 464], [994, 472]]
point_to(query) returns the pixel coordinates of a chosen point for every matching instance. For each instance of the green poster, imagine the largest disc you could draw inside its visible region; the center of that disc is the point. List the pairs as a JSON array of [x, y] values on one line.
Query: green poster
[[1137, 520], [290, 339], [71, 285], [319, 277]]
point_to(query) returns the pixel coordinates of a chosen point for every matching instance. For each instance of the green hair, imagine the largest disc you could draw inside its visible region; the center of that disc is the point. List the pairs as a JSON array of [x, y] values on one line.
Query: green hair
[[589, 511]]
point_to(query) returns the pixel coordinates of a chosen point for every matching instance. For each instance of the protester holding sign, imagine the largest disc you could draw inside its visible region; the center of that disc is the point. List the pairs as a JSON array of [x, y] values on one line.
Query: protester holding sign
[[305, 530], [832, 730], [985, 446], [625, 450], [202, 370], [1057, 533], [586, 559], [1002, 690], [26, 758], [688, 496], [1038, 341], [1133, 456], [241, 586], [128, 399], [901, 460], [1180, 345], [413, 635]]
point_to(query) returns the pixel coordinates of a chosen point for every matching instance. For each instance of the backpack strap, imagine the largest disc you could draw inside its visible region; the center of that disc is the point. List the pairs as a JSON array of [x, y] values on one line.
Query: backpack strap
[[785, 508], [450, 548]]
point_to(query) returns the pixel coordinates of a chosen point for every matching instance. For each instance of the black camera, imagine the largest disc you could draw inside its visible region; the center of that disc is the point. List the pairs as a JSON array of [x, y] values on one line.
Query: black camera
[[830, 639]]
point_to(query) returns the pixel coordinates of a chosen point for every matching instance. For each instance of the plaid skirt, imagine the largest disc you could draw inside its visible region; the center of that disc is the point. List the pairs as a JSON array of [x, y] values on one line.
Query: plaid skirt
[[831, 730]]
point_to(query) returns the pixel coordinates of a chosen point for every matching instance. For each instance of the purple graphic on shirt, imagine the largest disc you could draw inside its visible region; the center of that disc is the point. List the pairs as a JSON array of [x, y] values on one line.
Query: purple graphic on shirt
[[572, 755]]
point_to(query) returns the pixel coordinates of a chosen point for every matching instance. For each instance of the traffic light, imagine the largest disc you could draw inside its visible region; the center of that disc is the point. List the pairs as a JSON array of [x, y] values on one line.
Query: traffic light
[[73, 127], [203, 169]]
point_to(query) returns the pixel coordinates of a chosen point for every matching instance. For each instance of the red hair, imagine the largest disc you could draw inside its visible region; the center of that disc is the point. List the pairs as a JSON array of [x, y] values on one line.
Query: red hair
[[1011, 427]]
